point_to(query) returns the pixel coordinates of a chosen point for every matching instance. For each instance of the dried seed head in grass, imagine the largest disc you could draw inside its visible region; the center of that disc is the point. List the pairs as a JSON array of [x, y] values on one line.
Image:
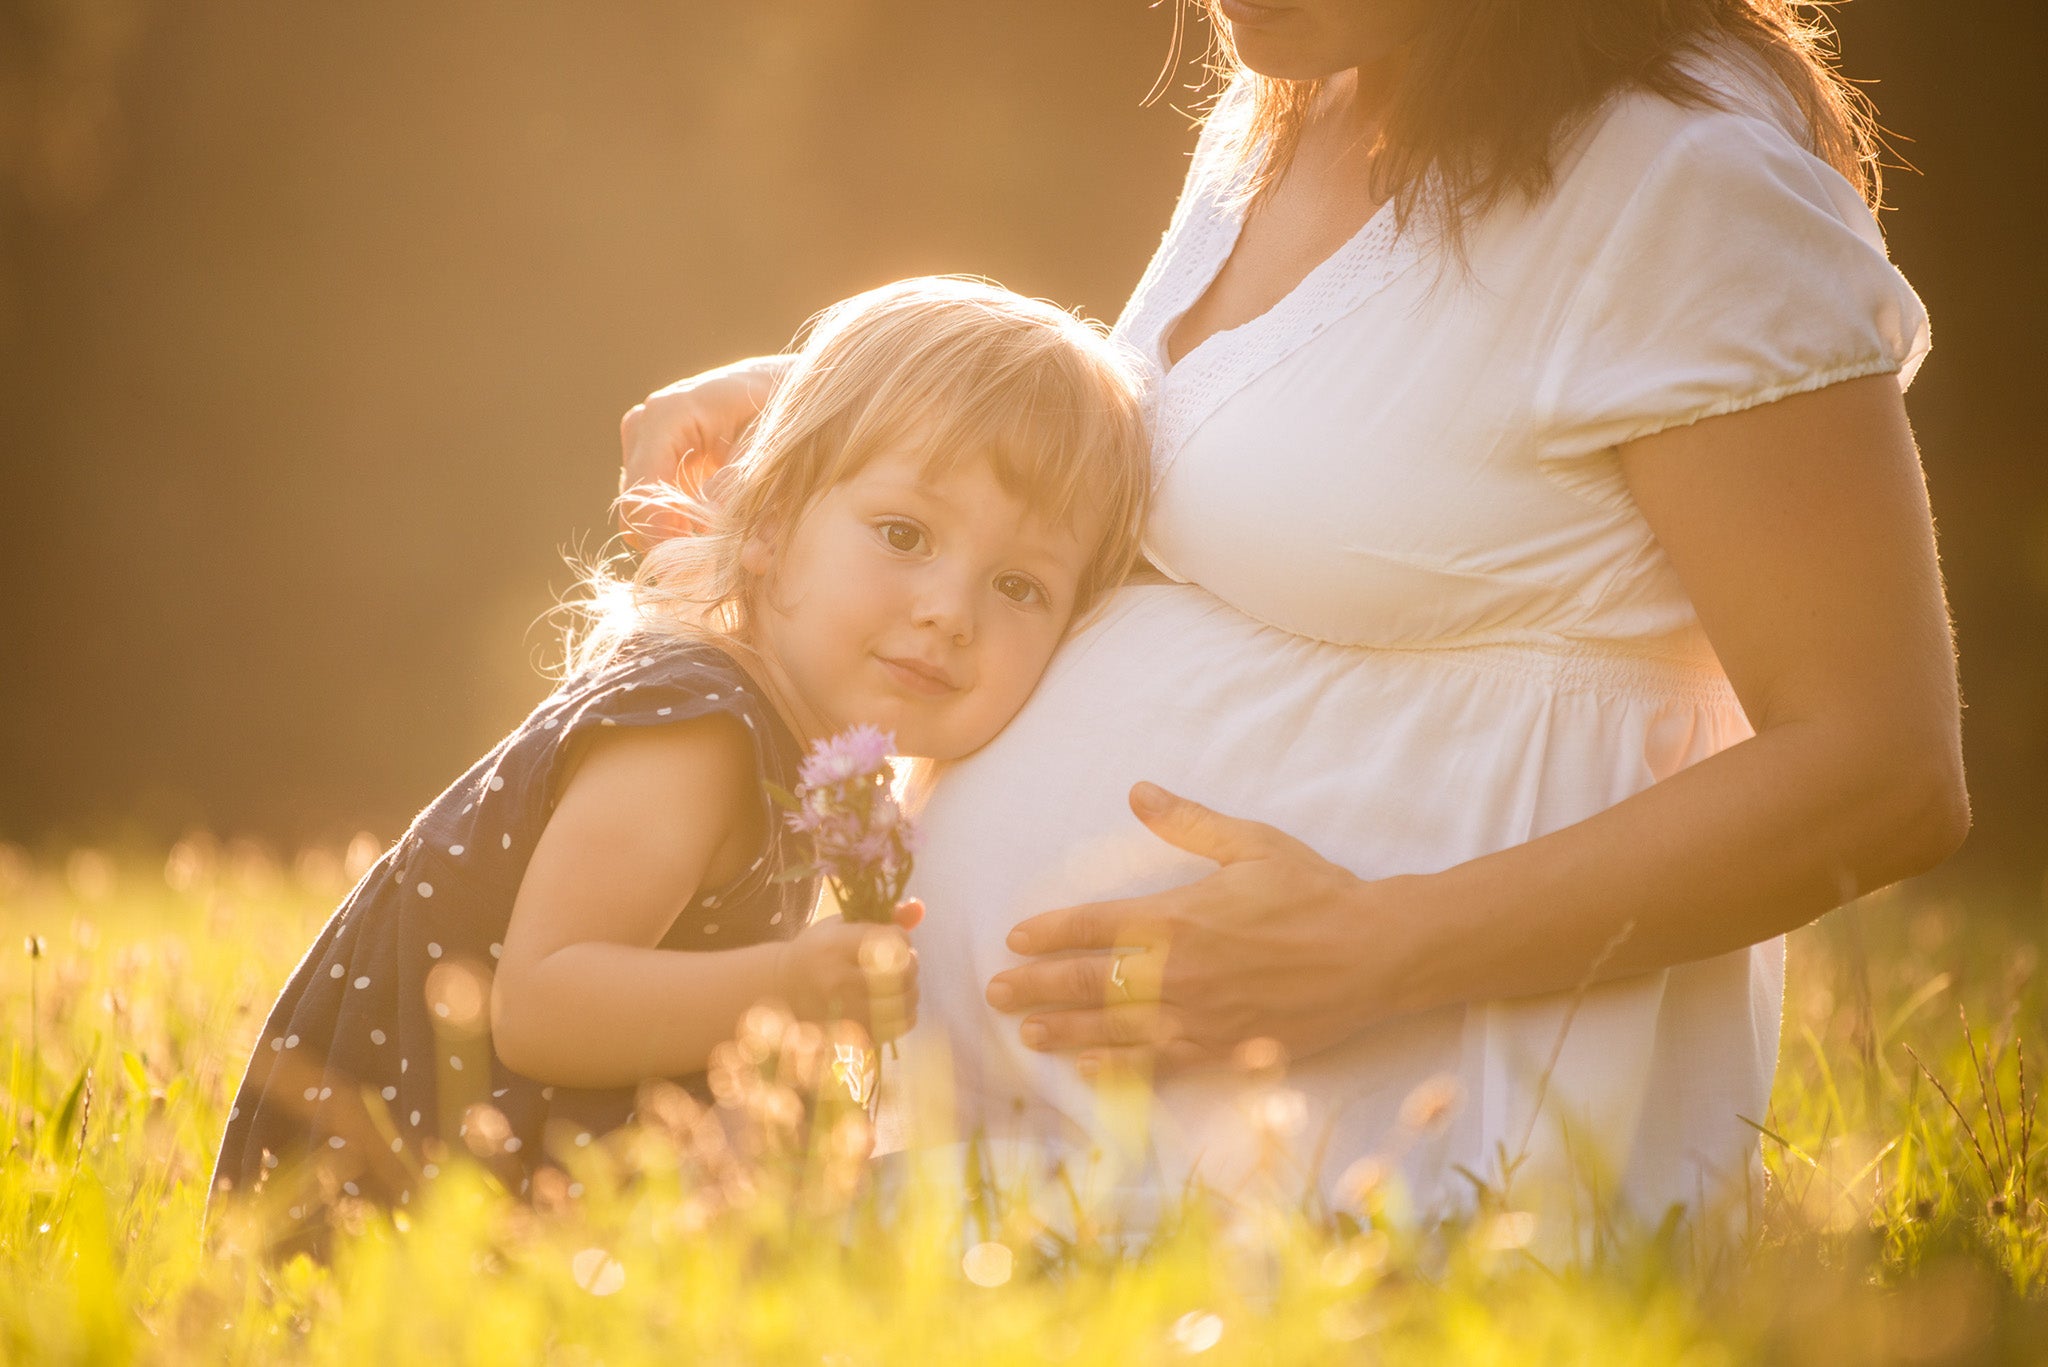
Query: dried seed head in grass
[[485, 1129], [662, 1105], [1431, 1104], [801, 1056], [1261, 1058], [1361, 1184], [762, 1029]]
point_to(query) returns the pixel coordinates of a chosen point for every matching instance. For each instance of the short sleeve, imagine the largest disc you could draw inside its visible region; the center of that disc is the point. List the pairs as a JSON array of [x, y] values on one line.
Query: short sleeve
[[662, 685], [1740, 269]]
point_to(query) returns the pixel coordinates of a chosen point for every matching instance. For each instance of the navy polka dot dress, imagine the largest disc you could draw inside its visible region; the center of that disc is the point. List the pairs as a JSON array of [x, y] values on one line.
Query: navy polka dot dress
[[377, 1058]]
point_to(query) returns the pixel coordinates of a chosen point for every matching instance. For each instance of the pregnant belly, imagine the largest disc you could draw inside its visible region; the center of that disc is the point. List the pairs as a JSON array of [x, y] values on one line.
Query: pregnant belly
[[1384, 761]]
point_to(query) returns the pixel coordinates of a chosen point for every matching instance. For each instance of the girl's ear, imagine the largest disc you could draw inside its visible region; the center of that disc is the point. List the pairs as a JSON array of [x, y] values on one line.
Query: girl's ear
[[757, 553]]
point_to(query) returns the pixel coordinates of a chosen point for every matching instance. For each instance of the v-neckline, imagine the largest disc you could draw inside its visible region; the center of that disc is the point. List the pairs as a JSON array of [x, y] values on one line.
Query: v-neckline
[[1234, 232], [1188, 392]]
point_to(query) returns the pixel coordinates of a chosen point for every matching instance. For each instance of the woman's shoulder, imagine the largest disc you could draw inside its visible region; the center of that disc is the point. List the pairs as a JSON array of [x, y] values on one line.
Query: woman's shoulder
[[1745, 127]]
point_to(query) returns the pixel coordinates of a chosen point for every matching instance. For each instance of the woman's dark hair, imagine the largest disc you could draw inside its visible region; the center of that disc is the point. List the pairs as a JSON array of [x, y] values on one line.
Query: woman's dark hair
[[1490, 88]]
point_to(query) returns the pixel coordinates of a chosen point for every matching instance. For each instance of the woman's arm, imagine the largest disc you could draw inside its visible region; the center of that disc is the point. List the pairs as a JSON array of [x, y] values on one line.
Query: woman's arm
[[680, 434], [582, 997], [1801, 531]]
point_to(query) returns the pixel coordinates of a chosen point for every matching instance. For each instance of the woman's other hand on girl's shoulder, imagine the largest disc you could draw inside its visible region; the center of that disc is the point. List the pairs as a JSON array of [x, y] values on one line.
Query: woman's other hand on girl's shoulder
[[682, 434]]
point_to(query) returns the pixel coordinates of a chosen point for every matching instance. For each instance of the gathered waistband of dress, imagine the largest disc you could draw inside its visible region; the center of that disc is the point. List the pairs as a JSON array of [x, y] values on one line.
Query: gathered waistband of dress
[[1679, 666], [1644, 670]]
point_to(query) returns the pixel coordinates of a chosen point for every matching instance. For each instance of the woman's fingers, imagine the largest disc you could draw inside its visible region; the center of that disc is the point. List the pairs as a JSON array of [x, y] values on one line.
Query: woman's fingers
[[1188, 825], [1123, 979], [1147, 1024], [1097, 925], [680, 435]]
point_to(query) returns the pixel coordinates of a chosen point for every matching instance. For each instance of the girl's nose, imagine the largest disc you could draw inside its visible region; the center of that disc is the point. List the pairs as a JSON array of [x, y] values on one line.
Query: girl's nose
[[947, 605]]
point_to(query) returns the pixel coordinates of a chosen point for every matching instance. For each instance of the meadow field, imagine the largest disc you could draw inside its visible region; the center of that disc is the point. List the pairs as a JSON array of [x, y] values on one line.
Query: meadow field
[[1904, 1220]]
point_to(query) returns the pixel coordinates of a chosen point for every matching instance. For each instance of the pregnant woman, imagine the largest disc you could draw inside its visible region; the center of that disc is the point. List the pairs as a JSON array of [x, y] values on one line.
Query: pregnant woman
[[1547, 620]]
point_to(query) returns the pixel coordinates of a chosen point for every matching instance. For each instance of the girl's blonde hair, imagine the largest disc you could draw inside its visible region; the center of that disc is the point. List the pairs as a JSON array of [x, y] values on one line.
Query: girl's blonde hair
[[953, 367]]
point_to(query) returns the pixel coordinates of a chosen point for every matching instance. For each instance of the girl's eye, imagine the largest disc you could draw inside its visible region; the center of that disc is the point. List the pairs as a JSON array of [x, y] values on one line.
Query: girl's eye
[[903, 536], [1020, 588]]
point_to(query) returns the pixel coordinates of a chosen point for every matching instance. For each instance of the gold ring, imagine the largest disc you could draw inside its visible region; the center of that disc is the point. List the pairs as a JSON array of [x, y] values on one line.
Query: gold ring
[[1117, 979]]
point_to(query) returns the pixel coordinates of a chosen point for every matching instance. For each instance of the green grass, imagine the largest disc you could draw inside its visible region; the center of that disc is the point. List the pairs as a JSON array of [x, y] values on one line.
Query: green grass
[[1900, 1224]]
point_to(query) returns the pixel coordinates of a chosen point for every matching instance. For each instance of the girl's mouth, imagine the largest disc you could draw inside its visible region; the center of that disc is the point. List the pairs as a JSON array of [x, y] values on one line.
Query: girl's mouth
[[917, 676]]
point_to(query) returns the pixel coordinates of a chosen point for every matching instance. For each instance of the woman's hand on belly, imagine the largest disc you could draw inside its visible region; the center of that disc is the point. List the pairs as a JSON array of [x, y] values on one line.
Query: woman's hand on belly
[[1276, 943]]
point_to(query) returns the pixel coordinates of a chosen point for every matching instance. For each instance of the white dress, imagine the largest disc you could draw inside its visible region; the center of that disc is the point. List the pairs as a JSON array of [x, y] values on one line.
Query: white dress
[[1418, 619]]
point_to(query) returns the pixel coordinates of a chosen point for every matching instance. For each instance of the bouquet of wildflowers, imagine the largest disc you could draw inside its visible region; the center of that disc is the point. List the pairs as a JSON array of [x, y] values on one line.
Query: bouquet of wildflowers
[[861, 843]]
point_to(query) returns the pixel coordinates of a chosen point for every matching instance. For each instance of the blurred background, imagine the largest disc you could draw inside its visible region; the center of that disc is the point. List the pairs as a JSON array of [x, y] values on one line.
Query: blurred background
[[316, 324]]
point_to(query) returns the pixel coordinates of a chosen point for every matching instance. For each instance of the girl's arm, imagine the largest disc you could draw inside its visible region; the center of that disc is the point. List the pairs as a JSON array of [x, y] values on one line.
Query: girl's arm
[[582, 998], [1801, 531]]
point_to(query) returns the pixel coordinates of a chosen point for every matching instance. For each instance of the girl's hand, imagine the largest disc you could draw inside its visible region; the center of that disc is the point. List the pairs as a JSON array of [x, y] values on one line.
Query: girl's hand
[[680, 435], [846, 970], [1271, 944]]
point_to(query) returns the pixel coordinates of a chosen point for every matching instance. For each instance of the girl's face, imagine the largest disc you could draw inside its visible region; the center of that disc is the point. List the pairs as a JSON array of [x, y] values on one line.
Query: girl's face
[[1305, 40], [924, 603]]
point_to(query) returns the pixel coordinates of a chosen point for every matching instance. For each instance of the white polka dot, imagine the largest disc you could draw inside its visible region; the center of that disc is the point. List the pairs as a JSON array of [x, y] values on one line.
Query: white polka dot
[[711, 901], [336, 971], [312, 1094], [547, 1094], [234, 1113], [607, 721], [376, 1037], [296, 1213], [430, 1170], [548, 725], [505, 842], [455, 849], [363, 981], [441, 1009], [351, 1189], [663, 711], [575, 1188], [497, 782], [501, 1091], [397, 1146], [426, 889], [711, 928], [711, 697], [269, 1160], [433, 950], [326, 1092], [512, 1144], [404, 1064], [455, 1062], [497, 951], [337, 1142], [776, 919], [391, 1094], [583, 1139], [404, 1197], [415, 1117], [291, 1041], [468, 808], [276, 1043]]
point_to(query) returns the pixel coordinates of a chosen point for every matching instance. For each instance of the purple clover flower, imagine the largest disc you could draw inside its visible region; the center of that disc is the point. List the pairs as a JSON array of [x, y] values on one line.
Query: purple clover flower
[[861, 842]]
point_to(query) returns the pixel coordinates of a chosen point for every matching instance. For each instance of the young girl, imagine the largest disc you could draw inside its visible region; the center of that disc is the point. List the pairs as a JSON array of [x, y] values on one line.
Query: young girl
[[946, 478]]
